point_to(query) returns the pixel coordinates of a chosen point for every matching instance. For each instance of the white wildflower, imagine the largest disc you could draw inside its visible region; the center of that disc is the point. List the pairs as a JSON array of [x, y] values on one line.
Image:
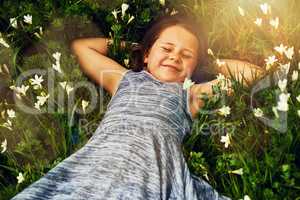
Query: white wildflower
[[246, 197], [124, 7], [28, 19], [298, 112], [20, 90], [289, 53], [270, 61], [280, 49], [224, 111], [241, 11], [126, 62], [258, 21], [282, 84], [13, 22], [299, 65], [69, 89], [84, 104], [42, 99], [237, 171], [4, 146], [282, 104], [274, 22], [8, 125], [295, 75], [57, 67], [220, 77], [56, 56], [187, 83], [265, 8], [36, 81], [285, 67], [2, 41], [162, 2], [210, 52], [258, 112], [226, 140], [298, 98], [130, 19], [20, 178], [63, 84], [11, 113], [115, 13]]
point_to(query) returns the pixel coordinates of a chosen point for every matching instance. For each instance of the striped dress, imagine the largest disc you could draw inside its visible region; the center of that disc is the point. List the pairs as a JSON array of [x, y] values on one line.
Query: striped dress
[[135, 153]]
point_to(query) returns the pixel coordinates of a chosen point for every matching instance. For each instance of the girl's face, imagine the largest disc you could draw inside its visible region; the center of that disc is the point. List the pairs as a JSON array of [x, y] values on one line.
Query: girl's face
[[174, 55]]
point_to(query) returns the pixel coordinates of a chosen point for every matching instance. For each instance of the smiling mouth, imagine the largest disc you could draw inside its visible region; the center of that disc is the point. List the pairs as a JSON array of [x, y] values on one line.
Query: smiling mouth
[[171, 66]]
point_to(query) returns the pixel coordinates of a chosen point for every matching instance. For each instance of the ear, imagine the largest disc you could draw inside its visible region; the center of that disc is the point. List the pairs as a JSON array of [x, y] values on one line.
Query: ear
[[146, 58]]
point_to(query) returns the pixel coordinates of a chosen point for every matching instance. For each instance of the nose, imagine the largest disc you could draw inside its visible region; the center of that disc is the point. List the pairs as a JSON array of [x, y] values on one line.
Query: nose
[[174, 56]]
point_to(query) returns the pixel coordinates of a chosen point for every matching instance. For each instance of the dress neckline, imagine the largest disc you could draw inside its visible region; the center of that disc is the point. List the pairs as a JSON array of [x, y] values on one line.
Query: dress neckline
[[159, 81]]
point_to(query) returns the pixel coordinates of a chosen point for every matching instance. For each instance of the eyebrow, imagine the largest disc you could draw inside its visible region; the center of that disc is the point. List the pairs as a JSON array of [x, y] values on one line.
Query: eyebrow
[[170, 43]]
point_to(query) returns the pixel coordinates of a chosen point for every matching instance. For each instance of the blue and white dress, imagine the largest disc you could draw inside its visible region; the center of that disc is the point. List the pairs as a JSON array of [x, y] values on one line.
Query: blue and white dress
[[134, 154]]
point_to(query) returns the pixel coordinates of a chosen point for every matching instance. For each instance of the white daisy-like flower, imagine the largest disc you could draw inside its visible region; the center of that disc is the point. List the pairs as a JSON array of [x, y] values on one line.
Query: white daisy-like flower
[[298, 98], [271, 60], [226, 140], [20, 90], [258, 21], [42, 99], [57, 67], [221, 77], [295, 75], [187, 83], [11, 113], [124, 7], [63, 84], [237, 171], [274, 22], [13, 22], [126, 62], [282, 84], [241, 11], [258, 112], [224, 111], [56, 56], [246, 197], [265, 8], [27, 19], [115, 13], [289, 52], [280, 49], [4, 146], [20, 178], [282, 104], [162, 2], [3, 42], [210, 52], [69, 89], [36, 81], [130, 19], [84, 104]]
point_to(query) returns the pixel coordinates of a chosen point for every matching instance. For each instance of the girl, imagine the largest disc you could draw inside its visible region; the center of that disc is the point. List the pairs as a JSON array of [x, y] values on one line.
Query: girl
[[135, 152]]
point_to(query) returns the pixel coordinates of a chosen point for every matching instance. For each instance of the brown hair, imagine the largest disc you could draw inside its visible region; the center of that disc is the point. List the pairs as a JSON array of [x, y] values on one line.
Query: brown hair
[[187, 21]]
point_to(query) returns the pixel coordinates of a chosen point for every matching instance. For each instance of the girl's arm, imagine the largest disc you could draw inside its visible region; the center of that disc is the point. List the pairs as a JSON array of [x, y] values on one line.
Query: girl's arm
[[91, 54], [242, 71]]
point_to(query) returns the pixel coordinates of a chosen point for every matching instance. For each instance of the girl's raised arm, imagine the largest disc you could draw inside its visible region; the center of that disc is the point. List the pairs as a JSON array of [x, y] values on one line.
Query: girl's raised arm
[[241, 70], [91, 54]]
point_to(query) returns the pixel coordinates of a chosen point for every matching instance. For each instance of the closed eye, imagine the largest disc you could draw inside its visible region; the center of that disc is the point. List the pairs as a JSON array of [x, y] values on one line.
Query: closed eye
[[166, 49]]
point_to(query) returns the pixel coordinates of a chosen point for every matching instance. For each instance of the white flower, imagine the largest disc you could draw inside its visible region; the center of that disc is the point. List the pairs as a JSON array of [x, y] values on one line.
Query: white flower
[[56, 56], [63, 84], [265, 8], [11, 113], [237, 171], [20, 90], [13, 22], [210, 52], [84, 104], [298, 112], [126, 62], [57, 67], [274, 109], [258, 112], [220, 77], [282, 104], [258, 21], [42, 99], [241, 11], [162, 2], [8, 125], [20, 178], [289, 52], [37, 105], [270, 60], [28, 19], [69, 89], [246, 197], [298, 98], [224, 111], [115, 13], [124, 7], [173, 12], [299, 65], [280, 49], [295, 75], [187, 83], [274, 22], [4, 146], [225, 139], [36, 81], [130, 19], [220, 63], [285, 67], [2, 41], [282, 84]]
